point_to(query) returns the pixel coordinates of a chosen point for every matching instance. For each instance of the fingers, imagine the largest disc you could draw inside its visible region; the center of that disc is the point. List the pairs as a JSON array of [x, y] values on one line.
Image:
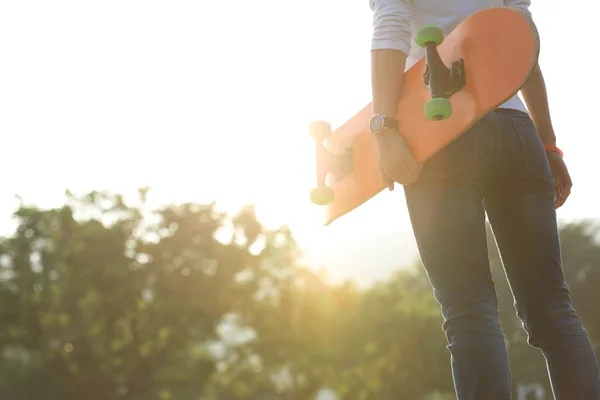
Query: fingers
[[402, 172], [413, 165], [387, 180], [563, 190]]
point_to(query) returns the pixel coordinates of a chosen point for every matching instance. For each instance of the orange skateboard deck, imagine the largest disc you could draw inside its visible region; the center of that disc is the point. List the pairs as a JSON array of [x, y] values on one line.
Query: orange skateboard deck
[[496, 50]]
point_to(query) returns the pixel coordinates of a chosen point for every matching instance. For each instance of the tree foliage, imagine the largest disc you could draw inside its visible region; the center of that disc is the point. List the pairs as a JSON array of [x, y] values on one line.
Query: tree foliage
[[100, 299]]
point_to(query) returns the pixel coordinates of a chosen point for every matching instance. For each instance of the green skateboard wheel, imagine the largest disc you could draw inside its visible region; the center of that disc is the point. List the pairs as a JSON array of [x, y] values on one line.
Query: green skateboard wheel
[[322, 195], [438, 109], [429, 33]]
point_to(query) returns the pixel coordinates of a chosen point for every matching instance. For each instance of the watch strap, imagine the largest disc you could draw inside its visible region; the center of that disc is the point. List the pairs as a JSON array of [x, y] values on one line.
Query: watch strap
[[389, 122]]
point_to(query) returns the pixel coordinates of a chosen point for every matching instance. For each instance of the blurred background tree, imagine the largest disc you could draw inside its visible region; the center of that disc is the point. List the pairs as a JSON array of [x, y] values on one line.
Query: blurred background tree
[[100, 299]]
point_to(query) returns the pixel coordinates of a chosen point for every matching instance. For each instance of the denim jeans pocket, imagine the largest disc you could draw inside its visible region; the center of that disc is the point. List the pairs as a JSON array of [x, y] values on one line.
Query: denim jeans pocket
[[458, 156], [536, 161]]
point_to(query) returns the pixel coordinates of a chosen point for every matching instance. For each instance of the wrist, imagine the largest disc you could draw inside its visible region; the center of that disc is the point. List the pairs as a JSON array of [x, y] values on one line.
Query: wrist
[[383, 133], [382, 138], [547, 136], [553, 148], [379, 123], [548, 140]]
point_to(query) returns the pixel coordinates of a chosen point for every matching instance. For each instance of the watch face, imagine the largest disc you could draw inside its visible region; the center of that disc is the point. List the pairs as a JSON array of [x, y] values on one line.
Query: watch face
[[376, 123]]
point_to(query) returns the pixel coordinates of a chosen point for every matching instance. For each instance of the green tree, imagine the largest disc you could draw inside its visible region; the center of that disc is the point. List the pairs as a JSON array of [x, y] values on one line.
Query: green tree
[[119, 301], [581, 258], [302, 331], [396, 347], [100, 299]]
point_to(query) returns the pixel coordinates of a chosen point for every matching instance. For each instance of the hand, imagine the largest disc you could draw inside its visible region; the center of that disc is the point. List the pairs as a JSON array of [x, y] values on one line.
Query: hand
[[562, 179], [395, 159]]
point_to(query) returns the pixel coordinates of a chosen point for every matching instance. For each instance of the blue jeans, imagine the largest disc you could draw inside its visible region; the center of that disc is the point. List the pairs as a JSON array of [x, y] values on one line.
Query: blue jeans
[[499, 168]]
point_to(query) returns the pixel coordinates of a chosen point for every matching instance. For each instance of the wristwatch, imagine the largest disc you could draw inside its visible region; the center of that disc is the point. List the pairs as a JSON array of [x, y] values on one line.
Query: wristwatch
[[379, 123]]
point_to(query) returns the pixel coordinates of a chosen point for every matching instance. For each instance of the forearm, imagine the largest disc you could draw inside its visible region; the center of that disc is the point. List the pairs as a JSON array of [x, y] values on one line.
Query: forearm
[[389, 46], [536, 98], [387, 75]]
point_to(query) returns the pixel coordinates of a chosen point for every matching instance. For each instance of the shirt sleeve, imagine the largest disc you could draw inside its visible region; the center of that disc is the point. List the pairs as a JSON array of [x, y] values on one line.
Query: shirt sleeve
[[391, 25], [522, 5]]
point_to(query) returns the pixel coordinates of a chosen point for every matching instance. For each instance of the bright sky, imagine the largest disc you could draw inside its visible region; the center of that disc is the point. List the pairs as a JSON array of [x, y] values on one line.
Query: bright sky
[[209, 100]]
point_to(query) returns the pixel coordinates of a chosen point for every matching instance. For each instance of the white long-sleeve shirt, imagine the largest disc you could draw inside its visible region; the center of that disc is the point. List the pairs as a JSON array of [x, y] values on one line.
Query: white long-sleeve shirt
[[396, 21]]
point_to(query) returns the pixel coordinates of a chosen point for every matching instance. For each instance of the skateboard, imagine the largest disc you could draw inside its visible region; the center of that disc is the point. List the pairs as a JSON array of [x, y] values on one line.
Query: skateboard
[[477, 67]]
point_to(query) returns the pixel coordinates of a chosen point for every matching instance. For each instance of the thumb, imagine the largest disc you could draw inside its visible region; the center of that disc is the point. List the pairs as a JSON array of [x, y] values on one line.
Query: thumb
[[387, 180]]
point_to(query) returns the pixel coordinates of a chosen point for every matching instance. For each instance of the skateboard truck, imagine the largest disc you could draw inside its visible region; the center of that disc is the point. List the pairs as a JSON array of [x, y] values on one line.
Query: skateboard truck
[[337, 164], [442, 81]]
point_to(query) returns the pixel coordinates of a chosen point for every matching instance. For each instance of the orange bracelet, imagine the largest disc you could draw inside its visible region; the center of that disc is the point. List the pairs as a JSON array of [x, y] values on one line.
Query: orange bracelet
[[555, 149]]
